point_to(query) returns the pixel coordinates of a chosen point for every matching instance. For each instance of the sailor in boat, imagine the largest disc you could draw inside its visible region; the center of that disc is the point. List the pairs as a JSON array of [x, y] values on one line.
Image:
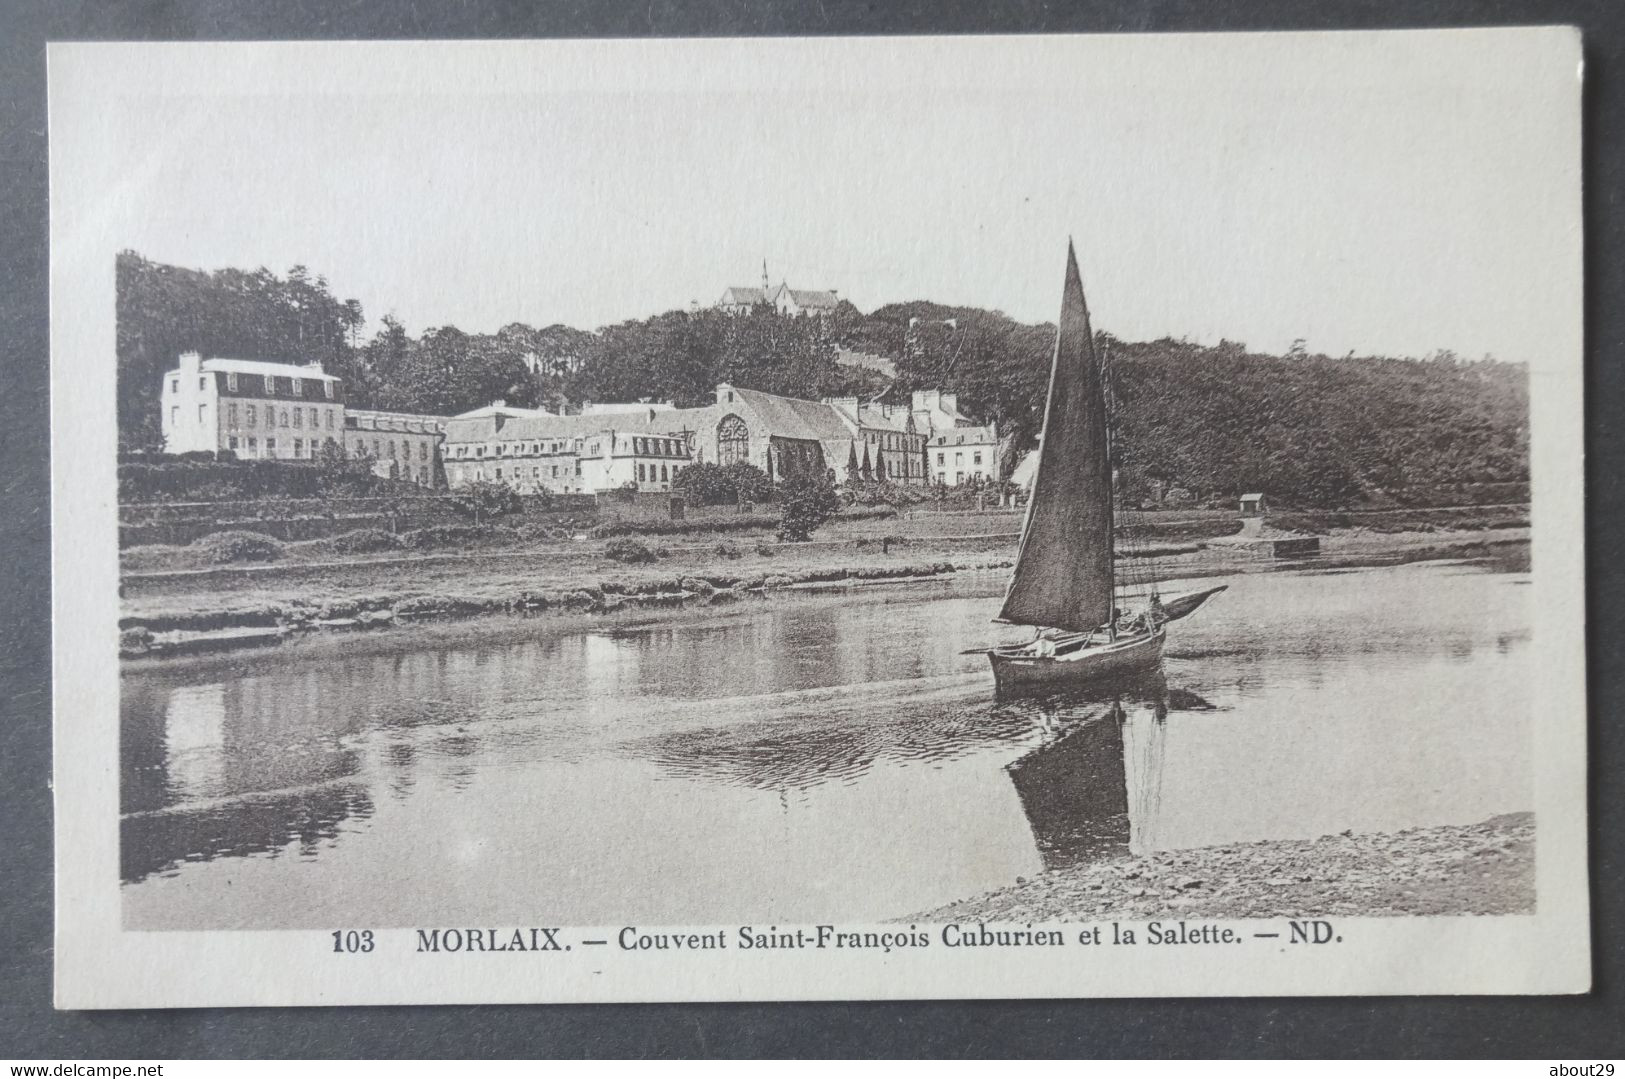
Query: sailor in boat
[[1147, 621]]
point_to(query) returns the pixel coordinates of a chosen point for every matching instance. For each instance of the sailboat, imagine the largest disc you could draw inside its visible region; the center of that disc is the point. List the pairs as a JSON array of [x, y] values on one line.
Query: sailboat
[[1064, 582]]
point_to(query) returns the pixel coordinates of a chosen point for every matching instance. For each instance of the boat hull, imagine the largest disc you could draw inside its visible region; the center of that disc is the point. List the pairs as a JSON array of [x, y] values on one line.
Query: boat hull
[[1017, 669]]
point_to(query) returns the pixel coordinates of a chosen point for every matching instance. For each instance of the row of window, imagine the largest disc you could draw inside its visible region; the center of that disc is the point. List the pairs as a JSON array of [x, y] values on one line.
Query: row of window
[[517, 474], [649, 476], [658, 447], [642, 447], [273, 417], [959, 458], [304, 450], [234, 382], [536, 472], [647, 473], [523, 449], [251, 445], [892, 441], [383, 450]]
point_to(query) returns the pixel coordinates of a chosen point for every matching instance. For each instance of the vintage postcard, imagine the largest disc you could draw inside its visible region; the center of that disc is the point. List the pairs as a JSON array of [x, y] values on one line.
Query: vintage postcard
[[818, 519]]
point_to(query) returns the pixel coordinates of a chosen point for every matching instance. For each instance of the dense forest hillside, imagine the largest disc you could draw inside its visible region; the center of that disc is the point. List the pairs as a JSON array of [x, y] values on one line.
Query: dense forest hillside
[[1214, 420]]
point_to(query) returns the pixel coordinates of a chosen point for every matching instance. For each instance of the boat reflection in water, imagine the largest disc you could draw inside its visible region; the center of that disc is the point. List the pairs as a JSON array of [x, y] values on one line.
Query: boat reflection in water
[[1093, 790]]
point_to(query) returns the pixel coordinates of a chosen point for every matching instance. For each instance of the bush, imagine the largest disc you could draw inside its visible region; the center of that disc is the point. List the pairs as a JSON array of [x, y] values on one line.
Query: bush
[[751, 482], [340, 475], [484, 499], [881, 493], [454, 536], [722, 485], [806, 502], [544, 533], [364, 541], [727, 550], [744, 522], [238, 547], [203, 477], [136, 639], [628, 551]]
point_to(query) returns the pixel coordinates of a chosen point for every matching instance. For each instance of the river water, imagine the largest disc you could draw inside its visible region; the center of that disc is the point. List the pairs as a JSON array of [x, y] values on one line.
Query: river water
[[803, 758]]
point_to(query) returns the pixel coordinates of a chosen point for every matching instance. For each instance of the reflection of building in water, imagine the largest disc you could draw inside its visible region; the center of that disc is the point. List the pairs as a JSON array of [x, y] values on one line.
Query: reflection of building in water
[[246, 767], [143, 762], [224, 739], [195, 741], [748, 655], [287, 755], [800, 645], [608, 663], [283, 732]]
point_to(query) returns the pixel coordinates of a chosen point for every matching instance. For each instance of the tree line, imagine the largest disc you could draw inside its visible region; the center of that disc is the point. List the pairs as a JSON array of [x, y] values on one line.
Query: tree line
[[1213, 420]]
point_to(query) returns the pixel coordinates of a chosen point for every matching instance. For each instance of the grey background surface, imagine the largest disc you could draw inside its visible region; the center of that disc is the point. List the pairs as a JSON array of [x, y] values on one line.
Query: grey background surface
[[1570, 1029]]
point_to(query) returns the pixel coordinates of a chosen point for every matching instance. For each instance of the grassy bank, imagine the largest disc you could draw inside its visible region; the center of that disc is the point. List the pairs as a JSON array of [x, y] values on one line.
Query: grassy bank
[[1161, 532], [1483, 868], [317, 587]]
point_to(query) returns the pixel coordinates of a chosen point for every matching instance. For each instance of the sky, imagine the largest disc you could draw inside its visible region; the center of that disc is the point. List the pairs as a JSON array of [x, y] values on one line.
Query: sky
[[1389, 193]]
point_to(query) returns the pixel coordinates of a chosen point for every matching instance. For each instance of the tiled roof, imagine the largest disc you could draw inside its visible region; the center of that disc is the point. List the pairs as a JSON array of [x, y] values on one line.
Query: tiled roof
[[964, 436], [871, 417], [793, 417], [364, 419], [813, 297], [744, 295], [785, 417], [546, 427], [261, 367], [626, 408], [836, 451], [509, 411]]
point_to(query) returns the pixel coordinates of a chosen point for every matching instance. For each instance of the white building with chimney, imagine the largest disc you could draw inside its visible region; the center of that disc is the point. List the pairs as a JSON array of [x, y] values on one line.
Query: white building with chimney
[[259, 411], [958, 449], [252, 408]]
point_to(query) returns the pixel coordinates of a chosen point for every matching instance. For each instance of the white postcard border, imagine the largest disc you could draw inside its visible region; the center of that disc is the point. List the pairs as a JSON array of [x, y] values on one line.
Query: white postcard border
[[99, 965]]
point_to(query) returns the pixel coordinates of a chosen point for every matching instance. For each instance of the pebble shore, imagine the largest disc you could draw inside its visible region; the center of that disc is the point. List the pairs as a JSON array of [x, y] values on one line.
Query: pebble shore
[[1483, 868]]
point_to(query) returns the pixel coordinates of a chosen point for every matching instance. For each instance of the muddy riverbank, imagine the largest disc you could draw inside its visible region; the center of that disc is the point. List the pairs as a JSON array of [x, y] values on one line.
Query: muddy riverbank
[[239, 607], [1483, 868]]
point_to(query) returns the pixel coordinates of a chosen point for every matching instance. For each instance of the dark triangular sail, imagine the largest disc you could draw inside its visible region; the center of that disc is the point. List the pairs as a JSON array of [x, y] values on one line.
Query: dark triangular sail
[[1063, 574]]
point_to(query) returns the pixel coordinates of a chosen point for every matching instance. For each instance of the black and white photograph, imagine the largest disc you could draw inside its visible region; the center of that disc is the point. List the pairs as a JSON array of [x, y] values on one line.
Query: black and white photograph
[[769, 519]]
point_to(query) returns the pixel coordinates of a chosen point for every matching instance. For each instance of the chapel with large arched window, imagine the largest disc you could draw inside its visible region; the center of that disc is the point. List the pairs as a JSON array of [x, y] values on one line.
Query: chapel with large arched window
[[733, 441]]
